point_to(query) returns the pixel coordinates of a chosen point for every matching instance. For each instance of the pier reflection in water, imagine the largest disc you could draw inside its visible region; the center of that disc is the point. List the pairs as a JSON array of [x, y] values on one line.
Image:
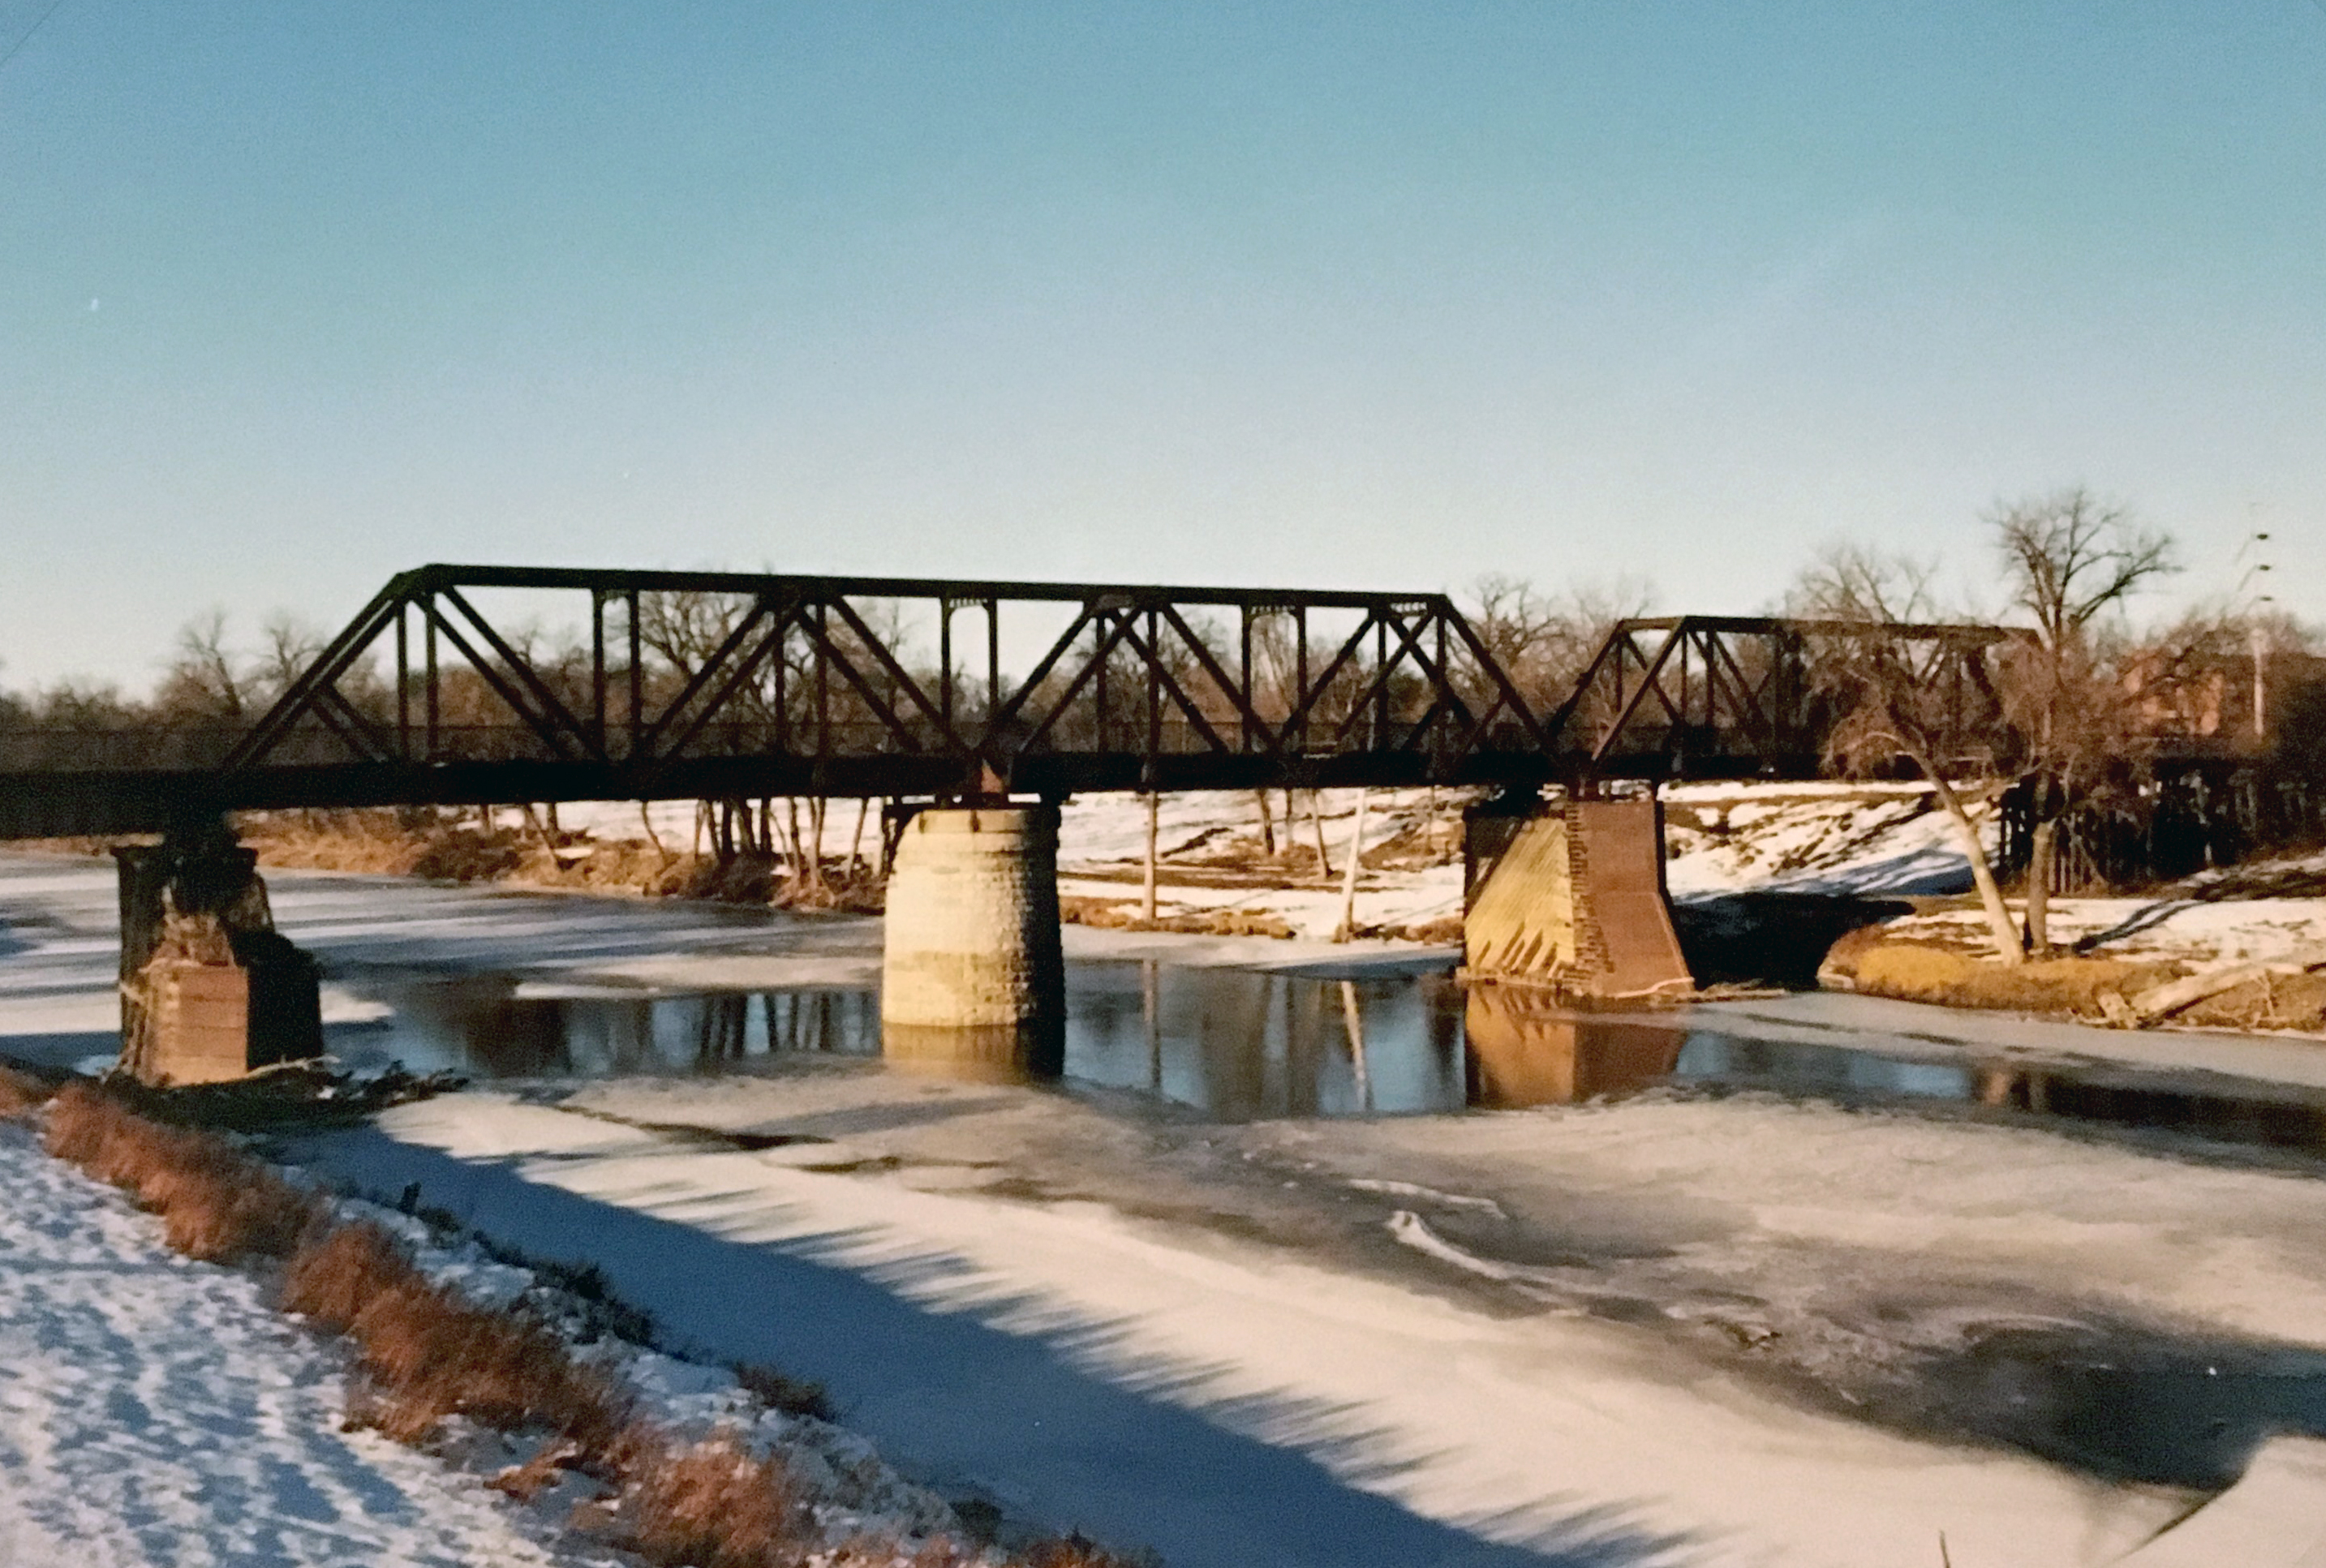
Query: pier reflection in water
[[496, 1027], [1240, 1045]]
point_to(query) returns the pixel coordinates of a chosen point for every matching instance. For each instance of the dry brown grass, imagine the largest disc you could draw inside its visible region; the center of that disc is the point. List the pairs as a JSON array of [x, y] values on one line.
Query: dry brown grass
[[428, 1355], [782, 1391], [334, 1276], [21, 1092], [1114, 914], [1921, 972], [431, 1355], [447, 846], [1070, 1552], [217, 1203], [710, 1504]]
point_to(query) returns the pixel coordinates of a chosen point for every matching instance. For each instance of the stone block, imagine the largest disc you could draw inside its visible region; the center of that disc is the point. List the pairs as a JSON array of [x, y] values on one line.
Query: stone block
[[199, 1022]]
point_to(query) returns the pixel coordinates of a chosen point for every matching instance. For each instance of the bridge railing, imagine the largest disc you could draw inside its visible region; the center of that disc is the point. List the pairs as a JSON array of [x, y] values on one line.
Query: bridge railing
[[31, 749]]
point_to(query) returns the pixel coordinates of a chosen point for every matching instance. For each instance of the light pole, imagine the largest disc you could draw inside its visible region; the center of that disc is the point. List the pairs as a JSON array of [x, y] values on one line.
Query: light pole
[[2255, 574]]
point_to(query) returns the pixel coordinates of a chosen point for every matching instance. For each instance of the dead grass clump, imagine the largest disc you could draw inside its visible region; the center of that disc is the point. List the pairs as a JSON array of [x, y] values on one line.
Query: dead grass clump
[[434, 1356], [2269, 1002], [431, 1355], [217, 1203], [337, 1273], [1114, 914], [782, 1391], [708, 1504], [21, 1092], [1919, 972]]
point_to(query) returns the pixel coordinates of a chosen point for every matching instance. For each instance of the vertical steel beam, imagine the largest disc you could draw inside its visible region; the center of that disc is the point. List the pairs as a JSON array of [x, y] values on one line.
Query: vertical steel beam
[[637, 717], [598, 671], [1099, 645], [1154, 696], [1243, 675], [783, 686], [822, 683], [1381, 672], [945, 662], [1300, 683], [435, 699], [403, 687]]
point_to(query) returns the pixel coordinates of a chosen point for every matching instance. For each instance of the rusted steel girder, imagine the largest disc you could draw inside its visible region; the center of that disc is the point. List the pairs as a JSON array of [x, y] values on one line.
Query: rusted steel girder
[[691, 684]]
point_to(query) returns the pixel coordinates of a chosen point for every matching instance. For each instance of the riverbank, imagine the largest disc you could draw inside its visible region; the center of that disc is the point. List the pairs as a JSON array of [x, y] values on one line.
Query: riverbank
[[2242, 948], [497, 1371]]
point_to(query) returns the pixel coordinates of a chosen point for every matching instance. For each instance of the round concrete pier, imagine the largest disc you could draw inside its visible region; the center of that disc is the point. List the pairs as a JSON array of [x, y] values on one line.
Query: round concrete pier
[[972, 966]]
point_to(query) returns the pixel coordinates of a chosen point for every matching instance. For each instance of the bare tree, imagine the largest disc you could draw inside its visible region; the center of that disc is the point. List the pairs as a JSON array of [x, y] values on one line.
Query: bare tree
[[1544, 642], [201, 682], [2073, 558], [2071, 694], [1878, 678], [292, 646]]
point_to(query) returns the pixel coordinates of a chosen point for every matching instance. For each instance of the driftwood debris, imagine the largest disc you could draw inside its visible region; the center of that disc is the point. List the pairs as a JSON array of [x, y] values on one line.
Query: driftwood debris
[[2160, 1002]]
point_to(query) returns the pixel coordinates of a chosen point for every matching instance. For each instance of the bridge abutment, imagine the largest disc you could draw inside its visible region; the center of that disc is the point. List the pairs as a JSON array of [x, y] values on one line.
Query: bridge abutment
[[973, 971], [1574, 898]]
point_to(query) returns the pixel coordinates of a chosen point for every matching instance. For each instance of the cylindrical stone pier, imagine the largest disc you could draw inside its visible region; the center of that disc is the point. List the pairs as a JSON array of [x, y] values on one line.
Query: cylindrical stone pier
[[973, 978]]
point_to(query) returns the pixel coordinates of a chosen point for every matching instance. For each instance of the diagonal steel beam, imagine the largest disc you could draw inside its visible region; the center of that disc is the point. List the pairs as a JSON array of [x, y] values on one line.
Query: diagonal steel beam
[[1297, 721], [543, 728], [1236, 695], [1009, 711], [1651, 680], [1096, 663], [337, 655], [741, 670], [650, 744], [1153, 657], [552, 708], [897, 672]]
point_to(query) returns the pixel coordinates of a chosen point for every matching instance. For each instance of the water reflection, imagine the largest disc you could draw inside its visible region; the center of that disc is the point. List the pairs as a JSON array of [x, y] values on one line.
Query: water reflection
[[2288, 1123], [1241, 1044], [494, 1027], [1244, 1044], [1525, 1052], [987, 1055]]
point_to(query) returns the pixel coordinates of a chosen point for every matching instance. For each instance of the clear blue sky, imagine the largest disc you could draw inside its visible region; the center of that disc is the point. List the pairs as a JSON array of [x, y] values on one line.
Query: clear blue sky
[[292, 296]]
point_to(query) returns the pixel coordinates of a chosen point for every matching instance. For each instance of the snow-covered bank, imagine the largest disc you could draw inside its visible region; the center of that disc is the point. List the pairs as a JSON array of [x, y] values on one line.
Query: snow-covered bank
[[1866, 839], [155, 1411]]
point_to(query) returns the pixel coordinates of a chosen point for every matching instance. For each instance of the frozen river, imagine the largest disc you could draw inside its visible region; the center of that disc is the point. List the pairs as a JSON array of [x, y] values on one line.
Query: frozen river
[[1313, 1258]]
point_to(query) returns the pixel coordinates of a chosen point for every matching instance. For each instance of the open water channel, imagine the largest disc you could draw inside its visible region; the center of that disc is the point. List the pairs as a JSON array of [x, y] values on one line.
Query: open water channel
[[1245, 1045]]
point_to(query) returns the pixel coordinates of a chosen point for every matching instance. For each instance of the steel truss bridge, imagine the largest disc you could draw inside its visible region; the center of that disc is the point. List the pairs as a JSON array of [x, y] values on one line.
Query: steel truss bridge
[[685, 685]]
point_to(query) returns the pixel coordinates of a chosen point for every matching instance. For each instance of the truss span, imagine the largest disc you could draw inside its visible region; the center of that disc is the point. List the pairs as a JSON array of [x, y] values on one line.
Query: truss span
[[445, 690]]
